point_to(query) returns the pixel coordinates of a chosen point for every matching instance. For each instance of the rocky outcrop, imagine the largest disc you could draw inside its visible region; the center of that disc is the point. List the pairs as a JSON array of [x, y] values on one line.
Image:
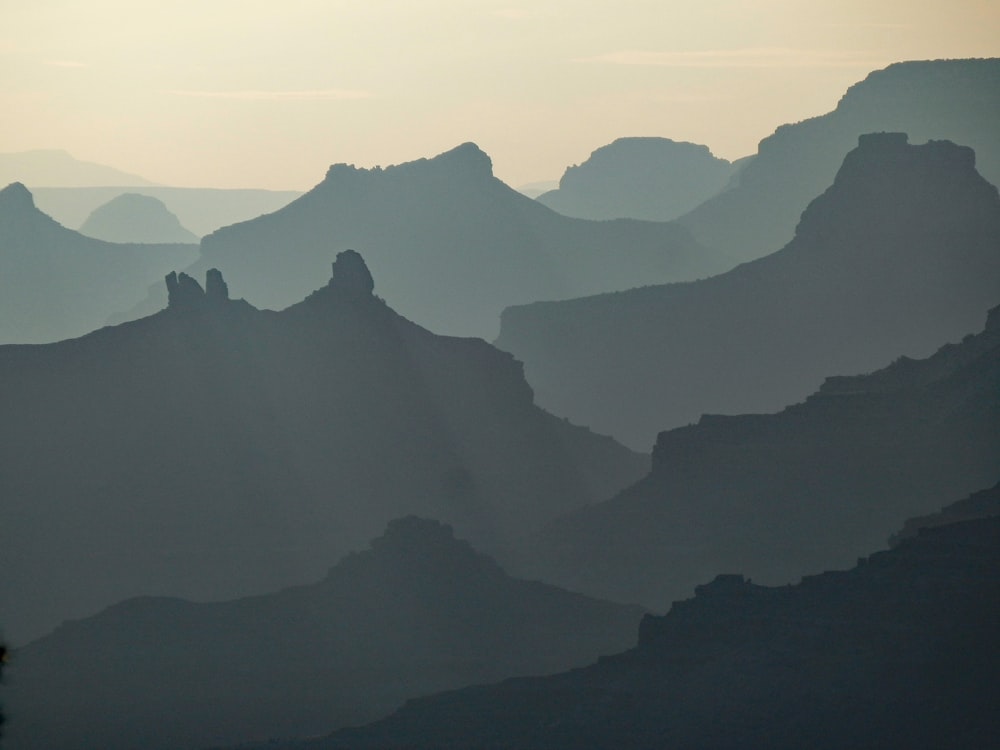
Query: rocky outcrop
[[184, 293], [351, 278]]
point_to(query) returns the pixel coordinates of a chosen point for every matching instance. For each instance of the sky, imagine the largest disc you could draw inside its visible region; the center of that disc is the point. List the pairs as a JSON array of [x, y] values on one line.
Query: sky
[[243, 93]]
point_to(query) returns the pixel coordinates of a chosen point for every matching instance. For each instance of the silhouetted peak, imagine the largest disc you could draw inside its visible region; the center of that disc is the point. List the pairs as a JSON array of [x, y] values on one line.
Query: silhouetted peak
[[16, 196], [469, 156], [883, 149], [414, 533], [465, 159], [351, 278], [993, 320], [184, 293]]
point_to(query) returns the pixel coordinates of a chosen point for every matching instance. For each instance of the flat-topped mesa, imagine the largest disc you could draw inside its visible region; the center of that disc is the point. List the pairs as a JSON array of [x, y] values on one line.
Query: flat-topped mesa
[[351, 278], [184, 293]]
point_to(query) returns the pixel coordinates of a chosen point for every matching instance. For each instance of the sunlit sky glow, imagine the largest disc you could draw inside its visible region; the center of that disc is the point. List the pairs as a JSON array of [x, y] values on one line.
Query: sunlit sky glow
[[242, 93]]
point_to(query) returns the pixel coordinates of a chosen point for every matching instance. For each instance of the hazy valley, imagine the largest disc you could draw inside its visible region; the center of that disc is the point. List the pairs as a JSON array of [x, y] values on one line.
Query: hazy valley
[[684, 452]]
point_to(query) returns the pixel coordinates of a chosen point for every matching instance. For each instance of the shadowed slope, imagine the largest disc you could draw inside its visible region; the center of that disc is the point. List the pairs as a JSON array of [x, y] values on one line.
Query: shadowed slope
[[214, 450], [416, 613]]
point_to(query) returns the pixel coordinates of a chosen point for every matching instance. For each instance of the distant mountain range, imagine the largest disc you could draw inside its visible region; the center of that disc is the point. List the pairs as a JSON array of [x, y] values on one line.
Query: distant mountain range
[[418, 612], [656, 179], [56, 168], [899, 651], [451, 244], [56, 283], [778, 496], [202, 210], [898, 256], [213, 450], [132, 217], [957, 100]]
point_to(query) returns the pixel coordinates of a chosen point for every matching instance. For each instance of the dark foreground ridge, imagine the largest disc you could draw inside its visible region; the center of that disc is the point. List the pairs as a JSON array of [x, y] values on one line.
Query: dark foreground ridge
[[900, 651], [418, 612]]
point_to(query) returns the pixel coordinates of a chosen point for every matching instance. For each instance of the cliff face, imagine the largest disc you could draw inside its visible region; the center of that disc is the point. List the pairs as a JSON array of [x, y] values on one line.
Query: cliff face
[[214, 450], [956, 100], [898, 256], [417, 612], [450, 244], [56, 283], [899, 651], [777, 496]]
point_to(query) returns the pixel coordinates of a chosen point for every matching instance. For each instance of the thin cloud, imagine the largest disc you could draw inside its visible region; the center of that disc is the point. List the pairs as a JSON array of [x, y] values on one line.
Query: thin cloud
[[65, 63], [275, 96], [514, 14], [765, 57]]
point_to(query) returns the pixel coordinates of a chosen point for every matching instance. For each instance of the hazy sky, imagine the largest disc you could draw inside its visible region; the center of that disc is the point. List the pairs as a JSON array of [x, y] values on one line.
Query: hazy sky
[[244, 93]]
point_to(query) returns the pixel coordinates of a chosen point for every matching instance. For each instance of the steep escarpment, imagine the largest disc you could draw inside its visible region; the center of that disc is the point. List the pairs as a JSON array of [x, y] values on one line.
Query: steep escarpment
[[900, 255], [899, 651], [778, 496]]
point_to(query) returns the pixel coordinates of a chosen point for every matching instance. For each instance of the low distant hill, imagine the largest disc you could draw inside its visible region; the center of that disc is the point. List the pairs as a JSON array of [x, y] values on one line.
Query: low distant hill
[[418, 612], [55, 283], [450, 244], [132, 217], [956, 100], [56, 168], [778, 496], [897, 257], [214, 450], [656, 179], [202, 210], [899, 651]]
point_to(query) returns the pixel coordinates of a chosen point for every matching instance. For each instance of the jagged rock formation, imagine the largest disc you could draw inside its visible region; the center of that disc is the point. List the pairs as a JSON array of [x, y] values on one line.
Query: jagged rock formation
[[778, 496], [899, 255], [416, 613], [655, 179], [132, 217], [214, 450], [957, 100], [55, 283], [450, 244], [899, 651]]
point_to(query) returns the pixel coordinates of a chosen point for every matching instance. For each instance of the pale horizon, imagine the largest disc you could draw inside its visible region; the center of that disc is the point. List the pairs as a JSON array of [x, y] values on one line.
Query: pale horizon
[[252, 95]]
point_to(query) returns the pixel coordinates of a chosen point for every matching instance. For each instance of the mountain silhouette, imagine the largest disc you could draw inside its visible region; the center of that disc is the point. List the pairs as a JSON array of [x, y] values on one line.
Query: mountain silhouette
[[56, 283], [777, 496], [53, 167], [132, 217], [898, 256], [956, 100], [656, 179], [201, 210], [450, 244], [213, 450], [899, 651], [418, 612]]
